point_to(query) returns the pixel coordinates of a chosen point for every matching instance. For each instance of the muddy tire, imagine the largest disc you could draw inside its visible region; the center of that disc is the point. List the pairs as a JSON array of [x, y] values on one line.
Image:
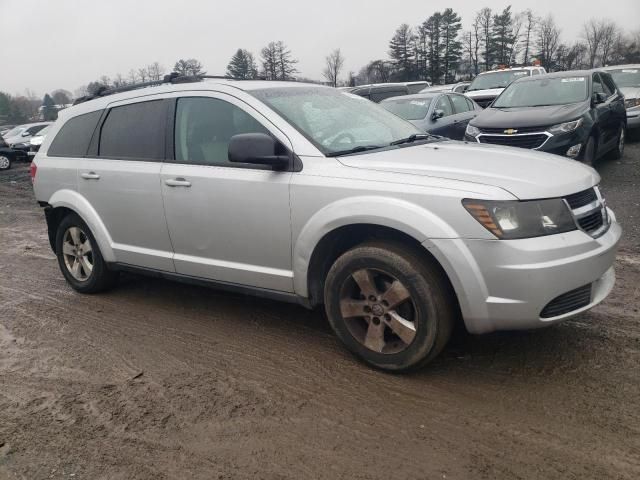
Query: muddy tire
[[80, 259], [390, 306]]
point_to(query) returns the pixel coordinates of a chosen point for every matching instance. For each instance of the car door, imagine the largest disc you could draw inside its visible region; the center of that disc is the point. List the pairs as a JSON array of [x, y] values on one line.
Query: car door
[[228, 222], [606, 120], [443, 125], [462, 114], [120, 178]]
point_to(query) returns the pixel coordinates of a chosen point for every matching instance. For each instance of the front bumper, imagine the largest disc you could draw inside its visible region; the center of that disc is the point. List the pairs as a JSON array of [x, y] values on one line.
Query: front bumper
[[558, 144], [506, 284], [633, 118]]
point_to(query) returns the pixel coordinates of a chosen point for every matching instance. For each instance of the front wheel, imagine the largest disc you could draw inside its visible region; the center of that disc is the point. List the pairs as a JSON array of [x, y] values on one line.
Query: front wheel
[[390, 306], [79, 257], [5, 162]]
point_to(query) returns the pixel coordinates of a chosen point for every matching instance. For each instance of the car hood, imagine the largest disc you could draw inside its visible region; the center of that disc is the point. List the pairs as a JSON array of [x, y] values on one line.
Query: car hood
[[493, 92], [524, 173], [493, 117], [17, 139], [630, 92]]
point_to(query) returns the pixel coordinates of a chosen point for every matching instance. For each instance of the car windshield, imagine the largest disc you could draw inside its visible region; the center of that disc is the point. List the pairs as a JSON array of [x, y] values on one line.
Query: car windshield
[[408, 108], [626, 77], [14, 132], [543, 91], [335, 121], [487, 81]]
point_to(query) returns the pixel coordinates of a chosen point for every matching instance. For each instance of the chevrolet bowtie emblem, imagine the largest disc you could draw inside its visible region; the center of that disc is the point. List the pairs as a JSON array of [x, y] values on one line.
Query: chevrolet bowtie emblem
[[510, 131]]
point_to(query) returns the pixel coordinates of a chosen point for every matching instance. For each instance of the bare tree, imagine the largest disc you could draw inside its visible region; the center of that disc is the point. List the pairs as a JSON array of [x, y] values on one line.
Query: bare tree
[[119, 81], [335, 62], [143, 75], [548, 41], [477, 41], [132, 77], [485, 19], [610, 35], [155, 72], [593, 32]]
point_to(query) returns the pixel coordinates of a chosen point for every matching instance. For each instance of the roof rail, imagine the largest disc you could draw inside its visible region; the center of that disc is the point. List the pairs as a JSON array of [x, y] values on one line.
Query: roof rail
[[173, 77]]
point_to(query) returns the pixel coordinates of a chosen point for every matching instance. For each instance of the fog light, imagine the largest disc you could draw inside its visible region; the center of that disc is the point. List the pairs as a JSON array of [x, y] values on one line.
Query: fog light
[[574, 151]]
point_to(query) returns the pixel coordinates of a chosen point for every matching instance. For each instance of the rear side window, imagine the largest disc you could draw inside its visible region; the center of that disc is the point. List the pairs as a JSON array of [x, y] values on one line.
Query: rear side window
[[74, 137], [444, 105], [134, 132], [460, 104], [608, 82]]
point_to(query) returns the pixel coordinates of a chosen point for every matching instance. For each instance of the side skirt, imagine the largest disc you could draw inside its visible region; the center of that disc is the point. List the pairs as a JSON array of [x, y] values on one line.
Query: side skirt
[[215, 284]]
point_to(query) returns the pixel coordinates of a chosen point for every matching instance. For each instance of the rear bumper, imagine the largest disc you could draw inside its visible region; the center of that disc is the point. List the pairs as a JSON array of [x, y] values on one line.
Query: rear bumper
[[505, 285]]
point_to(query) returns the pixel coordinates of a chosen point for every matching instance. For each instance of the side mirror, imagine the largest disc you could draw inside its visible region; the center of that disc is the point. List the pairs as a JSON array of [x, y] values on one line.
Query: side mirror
[[437, 114], [257, 148], [599, 98], [25, 134]]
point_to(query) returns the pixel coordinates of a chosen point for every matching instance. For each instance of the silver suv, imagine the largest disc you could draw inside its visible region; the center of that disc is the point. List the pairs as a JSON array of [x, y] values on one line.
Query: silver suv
[[310, 195]]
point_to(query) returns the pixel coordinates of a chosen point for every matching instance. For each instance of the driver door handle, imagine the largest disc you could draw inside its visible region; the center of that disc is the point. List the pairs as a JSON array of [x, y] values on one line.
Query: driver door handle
[[177, 182], [90, 176]]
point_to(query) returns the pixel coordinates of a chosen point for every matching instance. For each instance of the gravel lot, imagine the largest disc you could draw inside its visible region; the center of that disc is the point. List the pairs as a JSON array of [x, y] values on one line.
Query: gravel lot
[[162, 380]]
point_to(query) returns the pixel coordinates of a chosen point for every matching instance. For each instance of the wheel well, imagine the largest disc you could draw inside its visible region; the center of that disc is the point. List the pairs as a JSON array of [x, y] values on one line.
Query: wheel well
[[342, 239], [54, 216]]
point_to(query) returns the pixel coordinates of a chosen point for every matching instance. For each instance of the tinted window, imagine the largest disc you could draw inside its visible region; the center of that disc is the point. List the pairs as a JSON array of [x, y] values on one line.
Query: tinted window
[[444, 104], [74, 137], [598, 86], [460, 104], [204, 127], [134, 131], [608, 82], [379, 96]]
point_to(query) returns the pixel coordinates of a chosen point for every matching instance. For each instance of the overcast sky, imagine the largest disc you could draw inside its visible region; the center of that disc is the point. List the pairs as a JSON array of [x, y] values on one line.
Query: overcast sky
[[49, 44]]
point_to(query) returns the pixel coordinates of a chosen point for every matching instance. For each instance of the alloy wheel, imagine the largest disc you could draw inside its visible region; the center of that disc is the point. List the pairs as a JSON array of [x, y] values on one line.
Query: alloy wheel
[[77, 253], [378, 311], [4, 162]]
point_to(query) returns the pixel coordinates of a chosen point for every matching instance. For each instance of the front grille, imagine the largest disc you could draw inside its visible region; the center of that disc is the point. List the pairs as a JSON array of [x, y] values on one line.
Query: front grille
[[568, 302], [521, 141], [518, 130], [591, 222], [581, 199]]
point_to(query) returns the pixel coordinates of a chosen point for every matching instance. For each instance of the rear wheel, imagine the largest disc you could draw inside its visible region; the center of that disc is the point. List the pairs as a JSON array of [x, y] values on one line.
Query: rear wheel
[[79, 257], [5, 162], [389, 306]]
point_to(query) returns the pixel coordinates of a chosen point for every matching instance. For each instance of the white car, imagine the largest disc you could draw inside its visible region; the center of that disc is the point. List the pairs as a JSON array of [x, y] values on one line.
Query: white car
[[627, 78], [487, 86]]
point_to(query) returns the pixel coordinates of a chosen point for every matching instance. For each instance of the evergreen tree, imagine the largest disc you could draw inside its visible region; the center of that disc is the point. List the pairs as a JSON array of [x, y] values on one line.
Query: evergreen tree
[[49, 111], [432, 28], [189, 67], [451, 46], [402, 50], [242, 65], [502, 36]]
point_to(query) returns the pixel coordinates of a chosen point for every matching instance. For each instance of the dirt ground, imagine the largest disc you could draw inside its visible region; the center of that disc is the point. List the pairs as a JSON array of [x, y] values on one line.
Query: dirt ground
[[161, 380]]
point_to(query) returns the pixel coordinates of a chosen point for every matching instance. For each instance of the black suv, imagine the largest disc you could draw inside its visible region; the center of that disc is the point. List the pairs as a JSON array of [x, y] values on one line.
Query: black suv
[[578, 114]]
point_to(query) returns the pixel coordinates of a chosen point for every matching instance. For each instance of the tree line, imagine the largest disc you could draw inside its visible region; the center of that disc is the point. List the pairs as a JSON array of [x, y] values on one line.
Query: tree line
[[440, 51]]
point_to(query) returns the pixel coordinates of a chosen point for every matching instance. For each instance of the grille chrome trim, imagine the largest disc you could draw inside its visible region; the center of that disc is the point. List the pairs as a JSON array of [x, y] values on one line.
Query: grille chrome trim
[[592, 218], [527, 134]]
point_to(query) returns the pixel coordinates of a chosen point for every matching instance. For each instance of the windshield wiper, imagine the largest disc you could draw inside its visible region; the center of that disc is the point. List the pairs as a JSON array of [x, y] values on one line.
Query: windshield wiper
[[361, 148], [413, 138]]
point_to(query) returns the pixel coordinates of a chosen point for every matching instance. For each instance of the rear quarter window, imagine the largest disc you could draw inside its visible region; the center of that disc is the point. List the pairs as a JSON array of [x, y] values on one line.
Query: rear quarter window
[[75, 135]]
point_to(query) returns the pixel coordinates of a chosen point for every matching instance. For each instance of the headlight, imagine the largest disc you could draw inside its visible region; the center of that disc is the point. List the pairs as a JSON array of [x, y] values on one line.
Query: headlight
[[632, 102], [472, 131], [20, 145], [512, 219], [566, 127]]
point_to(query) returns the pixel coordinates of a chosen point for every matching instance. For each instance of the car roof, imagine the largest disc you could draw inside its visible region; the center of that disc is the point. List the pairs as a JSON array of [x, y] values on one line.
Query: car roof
[[510, 69], [619, 67], [416, 96], [567, 74]]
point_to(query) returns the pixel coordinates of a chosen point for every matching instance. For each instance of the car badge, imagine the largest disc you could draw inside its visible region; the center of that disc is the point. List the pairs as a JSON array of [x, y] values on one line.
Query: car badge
[[510, 131]]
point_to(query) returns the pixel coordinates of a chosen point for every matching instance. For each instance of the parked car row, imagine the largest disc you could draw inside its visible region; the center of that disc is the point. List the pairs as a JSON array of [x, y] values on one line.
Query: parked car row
[[21, 142]]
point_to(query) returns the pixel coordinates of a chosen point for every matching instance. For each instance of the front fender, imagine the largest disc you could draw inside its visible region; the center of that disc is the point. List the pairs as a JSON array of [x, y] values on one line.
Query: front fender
[[74, 201], [401, 215]]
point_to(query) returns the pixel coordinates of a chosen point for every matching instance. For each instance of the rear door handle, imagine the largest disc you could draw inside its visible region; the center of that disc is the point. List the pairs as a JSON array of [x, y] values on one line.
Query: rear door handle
[[90, 176], [177, 182]]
